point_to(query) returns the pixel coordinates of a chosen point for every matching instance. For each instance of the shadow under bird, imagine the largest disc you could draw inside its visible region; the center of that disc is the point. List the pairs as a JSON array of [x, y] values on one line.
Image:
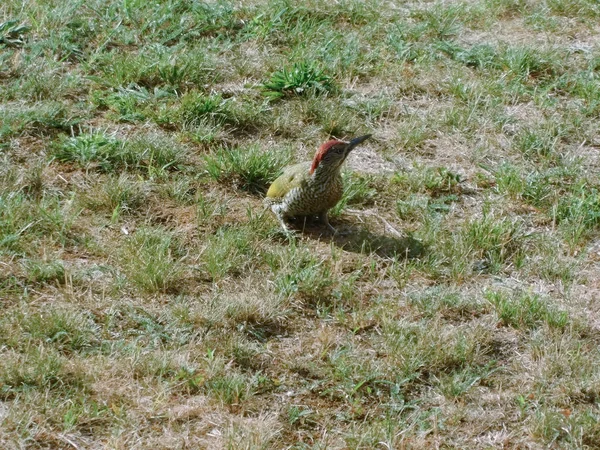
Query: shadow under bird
[[311, 188]]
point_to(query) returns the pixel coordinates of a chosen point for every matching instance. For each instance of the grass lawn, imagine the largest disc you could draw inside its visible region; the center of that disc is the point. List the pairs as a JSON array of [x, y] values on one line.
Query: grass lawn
[[149, 301]]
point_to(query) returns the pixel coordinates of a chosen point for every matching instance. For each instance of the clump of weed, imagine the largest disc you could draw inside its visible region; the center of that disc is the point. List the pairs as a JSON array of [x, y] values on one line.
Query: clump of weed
[[509, 180], [487, 244], [331, 115], [127, 104], [236, 243], [45, 272], [40, 369], [520, 64], [528, 64], [250, 168], [208, 210], [480, 56], [230, 388], [415, 348], [116, 195], [34, 182], [300, 274], [574, 8], [197, 108], [198, 111], [154, 67], [440, 181], [427, 190], [23, 220], [94, 149], [12, 33], [404, 47], [526, 311], [302, 79], [39, 119], [441, 22], [103, 151], [415, 132], [67, 331], [151, 260], [420, 207], [569, 426], [153, 154], [578, 212], [182, 188], [494, 242], [259, 313], [539, 142], [434, 180], [458, 383], [445, 302]]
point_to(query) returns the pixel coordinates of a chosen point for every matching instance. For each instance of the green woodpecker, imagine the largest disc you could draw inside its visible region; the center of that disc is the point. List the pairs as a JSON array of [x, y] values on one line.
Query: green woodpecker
[[311, 188]]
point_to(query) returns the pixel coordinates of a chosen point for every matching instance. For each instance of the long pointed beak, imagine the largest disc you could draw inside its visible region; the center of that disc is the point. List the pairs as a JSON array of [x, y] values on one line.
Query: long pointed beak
[[354, 142]]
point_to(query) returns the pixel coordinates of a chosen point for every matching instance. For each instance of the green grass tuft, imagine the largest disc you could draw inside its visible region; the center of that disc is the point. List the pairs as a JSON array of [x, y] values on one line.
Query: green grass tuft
[[64, 330], [249, 168], [151, 260], [237, 244], [45, 272], [12, 33], [102, 151], [302, 79], [527, 311]]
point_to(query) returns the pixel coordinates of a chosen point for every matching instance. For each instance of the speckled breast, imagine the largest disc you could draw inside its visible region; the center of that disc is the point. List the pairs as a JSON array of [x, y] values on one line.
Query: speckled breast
[[314, 197]]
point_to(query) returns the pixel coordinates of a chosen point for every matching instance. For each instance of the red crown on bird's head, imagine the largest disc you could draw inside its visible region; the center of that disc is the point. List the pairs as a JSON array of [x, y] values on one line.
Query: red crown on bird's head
[[323, 149]]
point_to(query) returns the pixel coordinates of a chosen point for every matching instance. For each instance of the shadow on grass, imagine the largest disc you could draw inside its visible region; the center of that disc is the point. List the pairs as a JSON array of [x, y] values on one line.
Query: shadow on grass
[[358, 239]]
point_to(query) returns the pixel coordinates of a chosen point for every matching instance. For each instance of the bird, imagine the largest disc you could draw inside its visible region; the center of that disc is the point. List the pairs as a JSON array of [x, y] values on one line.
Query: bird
[[311, 188]]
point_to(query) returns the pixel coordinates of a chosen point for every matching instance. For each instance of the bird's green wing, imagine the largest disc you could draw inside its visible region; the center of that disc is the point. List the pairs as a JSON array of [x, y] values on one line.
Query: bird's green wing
[[292, 177]]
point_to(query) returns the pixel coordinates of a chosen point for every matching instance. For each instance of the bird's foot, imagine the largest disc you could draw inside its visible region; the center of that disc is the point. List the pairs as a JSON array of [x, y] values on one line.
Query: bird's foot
[[325, 221], [286, 230], [344, 233], [331, 230]]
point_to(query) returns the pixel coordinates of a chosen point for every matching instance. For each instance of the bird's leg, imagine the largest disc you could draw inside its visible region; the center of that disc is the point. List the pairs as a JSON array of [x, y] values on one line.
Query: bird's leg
[[279, 214], [325, 220]]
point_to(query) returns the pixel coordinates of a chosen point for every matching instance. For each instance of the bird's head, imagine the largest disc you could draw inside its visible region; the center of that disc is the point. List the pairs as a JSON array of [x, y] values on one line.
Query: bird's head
[[333, 153]]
